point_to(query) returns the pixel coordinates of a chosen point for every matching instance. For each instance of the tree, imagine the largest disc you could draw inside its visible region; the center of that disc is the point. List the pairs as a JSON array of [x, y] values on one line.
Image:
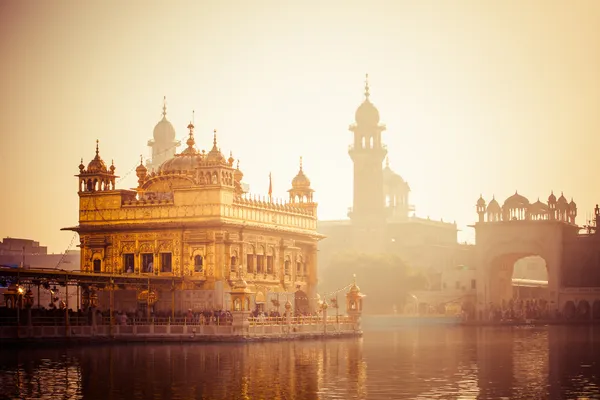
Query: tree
[[385, 278]]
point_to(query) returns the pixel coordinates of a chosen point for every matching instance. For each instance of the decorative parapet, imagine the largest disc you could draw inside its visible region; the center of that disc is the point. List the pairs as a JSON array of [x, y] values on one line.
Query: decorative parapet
[[155, 211]]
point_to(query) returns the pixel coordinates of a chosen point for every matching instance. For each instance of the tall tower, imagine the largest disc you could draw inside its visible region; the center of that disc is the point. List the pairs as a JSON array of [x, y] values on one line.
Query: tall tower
[[367, 154], [163, 144]]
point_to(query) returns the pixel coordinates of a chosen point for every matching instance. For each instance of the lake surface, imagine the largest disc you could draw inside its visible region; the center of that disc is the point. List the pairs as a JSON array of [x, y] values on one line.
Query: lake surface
[[429, 362]]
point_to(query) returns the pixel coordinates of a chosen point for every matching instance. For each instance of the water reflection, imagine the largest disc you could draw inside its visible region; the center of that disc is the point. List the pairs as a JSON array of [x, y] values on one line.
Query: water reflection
[[410, 363]]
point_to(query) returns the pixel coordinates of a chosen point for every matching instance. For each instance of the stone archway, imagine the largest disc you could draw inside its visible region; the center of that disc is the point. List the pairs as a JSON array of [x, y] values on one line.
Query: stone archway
[[500, 244]]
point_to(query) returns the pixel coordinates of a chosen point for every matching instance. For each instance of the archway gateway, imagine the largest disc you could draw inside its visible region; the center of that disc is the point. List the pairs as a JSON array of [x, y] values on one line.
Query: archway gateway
[[519, 229]]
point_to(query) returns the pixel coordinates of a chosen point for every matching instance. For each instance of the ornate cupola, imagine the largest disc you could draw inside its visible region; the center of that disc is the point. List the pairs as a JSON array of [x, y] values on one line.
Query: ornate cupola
[[301, 194], [96, 177], [481, 207]]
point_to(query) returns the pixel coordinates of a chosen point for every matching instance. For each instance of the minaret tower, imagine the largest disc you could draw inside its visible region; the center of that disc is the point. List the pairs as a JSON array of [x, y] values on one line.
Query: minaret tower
[[367, 154], [164, 143]]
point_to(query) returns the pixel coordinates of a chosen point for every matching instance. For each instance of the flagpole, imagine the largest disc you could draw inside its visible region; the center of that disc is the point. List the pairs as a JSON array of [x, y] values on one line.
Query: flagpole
[[270, 189]]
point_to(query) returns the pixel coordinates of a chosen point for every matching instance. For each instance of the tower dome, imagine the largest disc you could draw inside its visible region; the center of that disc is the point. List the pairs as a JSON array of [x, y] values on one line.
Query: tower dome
[[367, 114], [164, 131], [300, 181], [97, 164], [187, 160]]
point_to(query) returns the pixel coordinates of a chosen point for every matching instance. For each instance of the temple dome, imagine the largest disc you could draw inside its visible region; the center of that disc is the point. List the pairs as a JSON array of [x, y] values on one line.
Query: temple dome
[[301, 181], [516, 201], [186, 161], [494, 206], [367, 114], [97, 164], [164, 131]]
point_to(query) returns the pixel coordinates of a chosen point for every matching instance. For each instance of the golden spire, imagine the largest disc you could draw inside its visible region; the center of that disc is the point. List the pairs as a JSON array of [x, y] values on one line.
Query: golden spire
[[190, 142], [367, 94], [141, 159], [97, 150], [214, 139], [164, 107], [300, 163]]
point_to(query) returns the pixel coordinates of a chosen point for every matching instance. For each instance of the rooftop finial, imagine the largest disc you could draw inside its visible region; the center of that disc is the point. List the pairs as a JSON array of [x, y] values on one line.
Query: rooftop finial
[[300, 163], [367, 94], [190, 142], [215, 138], [141, 159], [164, 106], [238, 164], [193, 116], [97, 150]]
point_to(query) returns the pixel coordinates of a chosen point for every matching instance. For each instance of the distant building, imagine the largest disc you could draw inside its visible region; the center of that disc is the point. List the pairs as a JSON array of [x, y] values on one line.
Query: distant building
[[380, 221], [13, 246], [164, 144]]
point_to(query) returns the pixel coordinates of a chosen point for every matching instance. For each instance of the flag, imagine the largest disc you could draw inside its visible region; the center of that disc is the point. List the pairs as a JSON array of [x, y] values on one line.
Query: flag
[[270, 187]]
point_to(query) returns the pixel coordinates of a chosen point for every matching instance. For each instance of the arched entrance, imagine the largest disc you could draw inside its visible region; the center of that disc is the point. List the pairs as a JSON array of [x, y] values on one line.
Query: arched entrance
[[301, 303], [519, 229]]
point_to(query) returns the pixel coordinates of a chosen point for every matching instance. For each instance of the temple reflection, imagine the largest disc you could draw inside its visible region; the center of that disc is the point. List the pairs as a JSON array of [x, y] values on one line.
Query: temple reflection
[[409, 363]]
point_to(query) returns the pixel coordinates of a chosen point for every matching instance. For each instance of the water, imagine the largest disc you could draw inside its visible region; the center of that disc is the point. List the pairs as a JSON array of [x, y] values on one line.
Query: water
[[432, 362]]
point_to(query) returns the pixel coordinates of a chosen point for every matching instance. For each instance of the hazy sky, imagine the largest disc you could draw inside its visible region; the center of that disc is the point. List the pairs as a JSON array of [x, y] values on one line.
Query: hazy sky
[[478, 96]]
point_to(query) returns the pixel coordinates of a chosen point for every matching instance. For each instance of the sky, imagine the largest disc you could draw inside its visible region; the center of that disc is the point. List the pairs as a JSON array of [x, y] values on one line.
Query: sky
[[478, 97]]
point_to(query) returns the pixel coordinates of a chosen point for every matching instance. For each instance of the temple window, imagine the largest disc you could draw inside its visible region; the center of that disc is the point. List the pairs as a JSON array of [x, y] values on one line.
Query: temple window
[[269, 264], [233, 264], [148, 262], [166, 262], [304, 269], [128, 263], [198, 264], [298, 268], [237, 305], [250, 262], [286, 267], [97, 266], [260, 264]]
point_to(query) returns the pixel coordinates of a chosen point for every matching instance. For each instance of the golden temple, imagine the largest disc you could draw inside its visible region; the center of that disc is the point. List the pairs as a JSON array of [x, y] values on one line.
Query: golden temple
[[189, 230]]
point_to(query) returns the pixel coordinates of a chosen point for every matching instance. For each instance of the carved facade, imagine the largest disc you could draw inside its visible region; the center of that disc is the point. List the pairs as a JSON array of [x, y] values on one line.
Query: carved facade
[[192, 221]]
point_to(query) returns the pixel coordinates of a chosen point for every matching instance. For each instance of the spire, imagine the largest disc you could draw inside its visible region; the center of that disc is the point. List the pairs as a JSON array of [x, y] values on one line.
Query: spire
[[215, 140], [97, 150], [190, 142], [164, 113], [300, 163], [367, 94]]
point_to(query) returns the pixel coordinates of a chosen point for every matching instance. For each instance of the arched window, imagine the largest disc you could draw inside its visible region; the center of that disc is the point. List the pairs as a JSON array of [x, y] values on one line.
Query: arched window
[[233, 264], [198, 263]]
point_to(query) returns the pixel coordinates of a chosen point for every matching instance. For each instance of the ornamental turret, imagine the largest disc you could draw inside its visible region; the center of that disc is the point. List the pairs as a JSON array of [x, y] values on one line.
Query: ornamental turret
[[301, 194], [96, 177]]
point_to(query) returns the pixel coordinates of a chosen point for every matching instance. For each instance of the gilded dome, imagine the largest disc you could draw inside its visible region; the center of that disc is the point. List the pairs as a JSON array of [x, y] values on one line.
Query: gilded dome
[[215, 155], [367, 114], [551, 198], [301, 180], [97, 164], [390, 178], [187, 160], [164, 131], [538, 208], [141, 170]]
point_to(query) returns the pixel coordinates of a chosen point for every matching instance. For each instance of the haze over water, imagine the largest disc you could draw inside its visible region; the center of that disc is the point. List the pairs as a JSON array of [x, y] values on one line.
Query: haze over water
[[433, 362]]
